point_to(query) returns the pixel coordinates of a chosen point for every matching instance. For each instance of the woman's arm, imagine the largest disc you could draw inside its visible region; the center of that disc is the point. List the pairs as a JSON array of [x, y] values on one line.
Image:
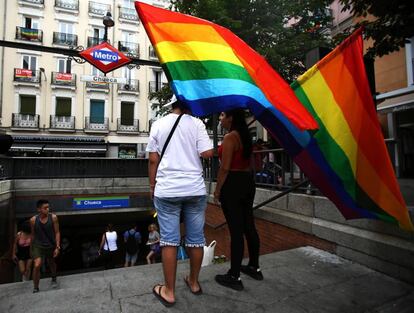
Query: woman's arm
[[102, 243], [228, 146], [14, 250]]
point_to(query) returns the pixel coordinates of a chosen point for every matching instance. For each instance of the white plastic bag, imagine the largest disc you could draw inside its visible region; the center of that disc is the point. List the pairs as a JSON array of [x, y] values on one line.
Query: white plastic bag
[[208, 254]]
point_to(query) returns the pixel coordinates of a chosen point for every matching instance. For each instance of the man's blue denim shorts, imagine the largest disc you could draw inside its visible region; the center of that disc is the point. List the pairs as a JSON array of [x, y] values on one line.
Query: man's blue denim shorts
[[168, 212]]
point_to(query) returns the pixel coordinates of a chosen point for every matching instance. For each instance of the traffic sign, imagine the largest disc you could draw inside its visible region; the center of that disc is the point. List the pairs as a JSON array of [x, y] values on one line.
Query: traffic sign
[[105, 57]]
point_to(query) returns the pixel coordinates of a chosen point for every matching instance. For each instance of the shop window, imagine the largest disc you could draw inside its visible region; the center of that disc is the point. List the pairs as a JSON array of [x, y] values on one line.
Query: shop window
[[127, 151]]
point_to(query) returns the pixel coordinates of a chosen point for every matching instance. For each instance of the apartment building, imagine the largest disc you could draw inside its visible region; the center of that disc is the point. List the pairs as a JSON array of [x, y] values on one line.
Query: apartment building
[[47, 107], [394, 87]]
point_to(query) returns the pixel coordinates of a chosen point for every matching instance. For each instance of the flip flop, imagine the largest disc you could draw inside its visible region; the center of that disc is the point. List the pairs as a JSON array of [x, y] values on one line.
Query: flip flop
[[160, 297], [198, 292]]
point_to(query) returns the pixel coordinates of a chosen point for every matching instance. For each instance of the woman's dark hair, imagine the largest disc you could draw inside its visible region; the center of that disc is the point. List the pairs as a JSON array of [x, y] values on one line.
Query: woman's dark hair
[[109, 227], [25, 227], [239, 124]]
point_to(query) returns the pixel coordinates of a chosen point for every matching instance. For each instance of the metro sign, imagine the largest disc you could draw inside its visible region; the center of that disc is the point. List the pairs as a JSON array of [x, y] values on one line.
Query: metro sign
[[105, 57]]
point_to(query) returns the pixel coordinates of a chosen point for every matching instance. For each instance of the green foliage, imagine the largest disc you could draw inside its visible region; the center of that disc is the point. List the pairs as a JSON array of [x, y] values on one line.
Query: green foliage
[[162, 97], [389, 25], [282, 31]]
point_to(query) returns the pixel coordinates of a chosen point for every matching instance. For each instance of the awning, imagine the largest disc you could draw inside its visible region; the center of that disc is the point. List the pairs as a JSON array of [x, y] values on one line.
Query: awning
[[76, 148], [396, 104], [26, 147]]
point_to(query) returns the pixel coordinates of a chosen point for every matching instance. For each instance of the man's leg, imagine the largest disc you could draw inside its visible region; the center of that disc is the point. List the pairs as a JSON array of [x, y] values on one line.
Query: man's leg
[[169, 265], [196, 257], [52, 265], [194, 218], [36, 272]]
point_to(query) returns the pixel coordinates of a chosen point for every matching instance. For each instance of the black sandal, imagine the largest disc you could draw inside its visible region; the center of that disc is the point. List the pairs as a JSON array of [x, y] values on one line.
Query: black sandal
[[160, 297], [198, 292]]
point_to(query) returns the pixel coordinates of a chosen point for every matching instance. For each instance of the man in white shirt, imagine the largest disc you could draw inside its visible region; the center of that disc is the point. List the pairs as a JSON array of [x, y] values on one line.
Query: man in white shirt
[[177, 185]]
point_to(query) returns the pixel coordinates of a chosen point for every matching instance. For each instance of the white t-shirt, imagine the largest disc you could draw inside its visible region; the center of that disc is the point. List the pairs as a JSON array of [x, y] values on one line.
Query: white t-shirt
[[111, 237], [180, 172]]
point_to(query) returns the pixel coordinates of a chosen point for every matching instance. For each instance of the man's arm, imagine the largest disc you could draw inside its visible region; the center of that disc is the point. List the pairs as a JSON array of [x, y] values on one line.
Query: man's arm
[[207, 154], [57, 235], [154, 159]]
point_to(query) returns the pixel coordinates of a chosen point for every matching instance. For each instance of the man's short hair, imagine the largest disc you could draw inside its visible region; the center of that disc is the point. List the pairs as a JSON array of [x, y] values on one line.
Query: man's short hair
[[179, 104], [40, 202]]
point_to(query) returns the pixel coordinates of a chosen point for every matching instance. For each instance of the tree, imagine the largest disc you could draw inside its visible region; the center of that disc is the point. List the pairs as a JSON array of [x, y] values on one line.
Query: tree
[[162, 97], [282, 31], [389, 24]]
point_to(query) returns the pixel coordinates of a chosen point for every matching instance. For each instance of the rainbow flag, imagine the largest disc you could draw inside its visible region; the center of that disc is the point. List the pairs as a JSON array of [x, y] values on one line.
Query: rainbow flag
[[346, 158], [211, 70]]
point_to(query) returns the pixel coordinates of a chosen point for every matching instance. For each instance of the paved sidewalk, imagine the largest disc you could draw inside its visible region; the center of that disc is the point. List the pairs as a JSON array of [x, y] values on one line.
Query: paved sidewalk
[[298, 280]]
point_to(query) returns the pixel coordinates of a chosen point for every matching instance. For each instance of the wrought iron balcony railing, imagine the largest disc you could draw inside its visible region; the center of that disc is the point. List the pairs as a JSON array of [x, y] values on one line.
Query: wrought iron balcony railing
[[29, 34], [128, 125], [34, 1], [128, 14], [25, 120], [97, 85], [63, 79], [155, 86], [67, 4], [93, 41], [129, 48], [98, 8], [65, 39], [26, 75], [62, 122], [96, 123], [131, 85]]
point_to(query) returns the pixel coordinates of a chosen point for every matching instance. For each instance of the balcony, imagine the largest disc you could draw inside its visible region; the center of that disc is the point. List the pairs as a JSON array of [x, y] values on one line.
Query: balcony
[[26, 76], [29, 34], [98, 8], [93, 41], [62, 122], [132, 85], [128, 125], [128, 14], [67, 4], [96, 85], [25, 120], [64, 79], [155, 86], [96, 124], [129, 48], [151, 53], [65, 39], [40, 2]]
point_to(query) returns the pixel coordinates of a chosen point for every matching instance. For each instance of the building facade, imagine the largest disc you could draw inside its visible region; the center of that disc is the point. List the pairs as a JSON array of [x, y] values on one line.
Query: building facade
[[46, 106]]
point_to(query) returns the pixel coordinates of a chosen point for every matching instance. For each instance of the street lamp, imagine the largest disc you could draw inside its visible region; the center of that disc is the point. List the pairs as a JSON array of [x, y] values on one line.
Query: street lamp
[[108, 22]]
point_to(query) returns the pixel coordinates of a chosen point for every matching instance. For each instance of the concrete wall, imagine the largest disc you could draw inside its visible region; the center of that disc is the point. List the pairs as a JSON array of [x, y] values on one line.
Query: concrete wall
[[378, 245]]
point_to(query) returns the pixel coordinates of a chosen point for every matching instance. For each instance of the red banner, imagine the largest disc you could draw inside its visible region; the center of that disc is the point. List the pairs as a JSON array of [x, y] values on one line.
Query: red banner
[[63, 77], [21, 72]]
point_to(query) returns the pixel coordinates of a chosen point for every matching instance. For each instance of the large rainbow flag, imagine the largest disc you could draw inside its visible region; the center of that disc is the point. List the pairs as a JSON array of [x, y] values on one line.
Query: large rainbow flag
[[346, 158], [210, 69]]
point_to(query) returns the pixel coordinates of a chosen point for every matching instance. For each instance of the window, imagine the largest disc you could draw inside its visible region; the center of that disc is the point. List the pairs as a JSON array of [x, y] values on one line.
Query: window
[[28, 105], [157, 79], [127, 113], [98, 33], [64, 66], [96, 72], [128, 74], [63, 106], [31, 23], [97, 111], [29, 62], [66, 28], [128, 4]]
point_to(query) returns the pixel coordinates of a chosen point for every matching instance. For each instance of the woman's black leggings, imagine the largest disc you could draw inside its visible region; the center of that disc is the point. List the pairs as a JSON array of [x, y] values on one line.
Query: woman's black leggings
[[236, 197]]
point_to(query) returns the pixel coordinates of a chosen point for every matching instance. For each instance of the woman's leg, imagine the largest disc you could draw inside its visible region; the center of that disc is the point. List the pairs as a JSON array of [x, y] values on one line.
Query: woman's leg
[[231, 208], [149, 257], [252, 238], [22, 268], [28, 268]]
